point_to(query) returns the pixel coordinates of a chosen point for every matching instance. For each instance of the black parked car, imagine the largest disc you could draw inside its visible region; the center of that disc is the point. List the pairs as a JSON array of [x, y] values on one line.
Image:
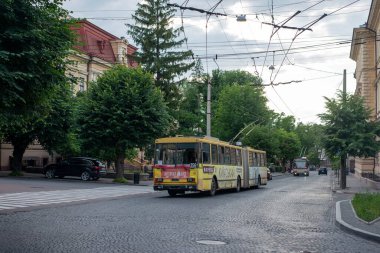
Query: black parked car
[[322, 171], [269, 174], [84, 167]]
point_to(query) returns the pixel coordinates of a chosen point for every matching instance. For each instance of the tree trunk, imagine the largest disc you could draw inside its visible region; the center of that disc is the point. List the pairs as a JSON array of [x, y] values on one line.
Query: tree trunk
[[343, 171], [119, 166], [18, 152]]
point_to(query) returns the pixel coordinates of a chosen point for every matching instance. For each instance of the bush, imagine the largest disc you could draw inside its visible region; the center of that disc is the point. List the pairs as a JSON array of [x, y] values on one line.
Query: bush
[[16, 174]]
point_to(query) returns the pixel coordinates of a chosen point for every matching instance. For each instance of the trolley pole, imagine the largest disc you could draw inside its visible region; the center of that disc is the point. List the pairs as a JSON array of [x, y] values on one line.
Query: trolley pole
[[343, 157]]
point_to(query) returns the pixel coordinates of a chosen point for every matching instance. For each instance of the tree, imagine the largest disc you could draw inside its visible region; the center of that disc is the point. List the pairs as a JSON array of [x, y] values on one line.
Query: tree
[[220, 79], [311, 136], [348, 129], [280, 145], [122, 111], [289, 145], [238, 106], [262, 137], [190, 115], [34, 40], [157, 40], [285, 122]]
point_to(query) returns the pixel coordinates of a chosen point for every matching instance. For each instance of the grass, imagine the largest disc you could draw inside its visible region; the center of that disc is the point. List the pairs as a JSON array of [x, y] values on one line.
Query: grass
[[367, 205], [16, 174], [121, 180]]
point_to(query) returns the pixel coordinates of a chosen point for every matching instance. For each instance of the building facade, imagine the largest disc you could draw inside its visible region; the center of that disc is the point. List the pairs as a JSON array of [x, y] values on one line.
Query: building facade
[[95, 52], [365, 49]]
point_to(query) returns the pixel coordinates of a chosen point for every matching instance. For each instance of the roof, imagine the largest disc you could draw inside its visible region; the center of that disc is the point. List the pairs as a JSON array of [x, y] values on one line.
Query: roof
[[96, 42], [204, 139]]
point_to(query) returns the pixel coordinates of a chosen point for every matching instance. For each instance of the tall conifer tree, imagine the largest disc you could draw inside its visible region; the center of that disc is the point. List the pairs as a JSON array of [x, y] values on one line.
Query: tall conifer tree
[[159, 45]]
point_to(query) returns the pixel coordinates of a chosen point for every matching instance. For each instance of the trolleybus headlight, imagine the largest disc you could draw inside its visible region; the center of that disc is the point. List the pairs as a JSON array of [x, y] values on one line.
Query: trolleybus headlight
[[190, 179]]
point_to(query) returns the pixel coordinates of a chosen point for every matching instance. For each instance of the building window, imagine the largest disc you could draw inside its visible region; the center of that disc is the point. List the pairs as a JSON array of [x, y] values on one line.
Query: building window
[[95, 76], [81, 84], [123, 56]]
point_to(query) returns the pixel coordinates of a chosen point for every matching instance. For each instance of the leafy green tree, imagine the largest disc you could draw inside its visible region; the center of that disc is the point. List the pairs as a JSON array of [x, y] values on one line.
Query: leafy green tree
[[348, 129], [289, 145], [311, 136], [288, 123], [280, 145], [238, 106], [313, 157], [221, 78], [122, 111], [191, 116], [262, 137], [158, 41], [51, 127], [34, 41]]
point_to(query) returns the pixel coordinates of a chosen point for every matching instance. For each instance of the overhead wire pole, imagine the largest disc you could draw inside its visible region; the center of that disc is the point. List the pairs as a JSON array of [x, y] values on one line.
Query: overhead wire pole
[[209, 13], [343, 157]]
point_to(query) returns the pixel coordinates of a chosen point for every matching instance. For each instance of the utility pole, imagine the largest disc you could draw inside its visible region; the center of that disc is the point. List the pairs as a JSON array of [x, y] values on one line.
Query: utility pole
[[209, 13], [343, 157]]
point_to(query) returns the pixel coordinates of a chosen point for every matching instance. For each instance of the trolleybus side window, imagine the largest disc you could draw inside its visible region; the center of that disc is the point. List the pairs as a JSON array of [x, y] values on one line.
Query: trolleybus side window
[[250, 157], [238, 157], [205, 153], [233, 156], [265, 160], [214, 154], [227, 157], [256, 160], [221, 154]]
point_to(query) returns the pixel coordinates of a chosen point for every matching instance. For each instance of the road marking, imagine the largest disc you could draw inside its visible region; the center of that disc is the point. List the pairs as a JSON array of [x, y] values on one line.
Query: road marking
[[30, 199]]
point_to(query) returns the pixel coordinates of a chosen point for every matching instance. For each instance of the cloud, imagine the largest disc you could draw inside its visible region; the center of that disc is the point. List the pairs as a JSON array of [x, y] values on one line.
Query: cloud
[[243, 40]]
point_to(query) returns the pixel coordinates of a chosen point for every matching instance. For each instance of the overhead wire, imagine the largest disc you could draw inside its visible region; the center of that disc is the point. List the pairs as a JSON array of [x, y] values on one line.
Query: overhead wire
[[309, 25]]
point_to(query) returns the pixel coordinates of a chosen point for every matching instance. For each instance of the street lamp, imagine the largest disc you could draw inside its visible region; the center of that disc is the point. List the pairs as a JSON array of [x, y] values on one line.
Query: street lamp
[[241, 18]]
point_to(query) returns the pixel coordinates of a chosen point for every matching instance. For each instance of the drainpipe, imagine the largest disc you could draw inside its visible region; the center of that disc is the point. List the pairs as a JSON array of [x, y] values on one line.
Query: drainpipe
[[376, 90], [89, 69], [374, 32]]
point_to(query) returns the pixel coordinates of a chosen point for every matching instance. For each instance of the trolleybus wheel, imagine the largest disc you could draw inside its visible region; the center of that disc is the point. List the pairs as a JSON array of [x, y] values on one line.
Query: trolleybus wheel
[[172, 193], [238, 185], [213, 187]]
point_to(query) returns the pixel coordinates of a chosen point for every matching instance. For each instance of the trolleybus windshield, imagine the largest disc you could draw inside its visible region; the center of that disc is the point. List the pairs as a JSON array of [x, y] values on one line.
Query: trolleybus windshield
[[178, 153], [300, 164]]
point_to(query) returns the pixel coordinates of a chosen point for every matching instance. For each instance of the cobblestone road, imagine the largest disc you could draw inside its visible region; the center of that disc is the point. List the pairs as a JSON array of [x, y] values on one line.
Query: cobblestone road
[[290, 214]]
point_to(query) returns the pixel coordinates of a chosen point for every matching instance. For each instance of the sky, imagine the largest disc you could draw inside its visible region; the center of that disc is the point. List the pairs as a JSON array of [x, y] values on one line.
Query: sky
[[300, 69]]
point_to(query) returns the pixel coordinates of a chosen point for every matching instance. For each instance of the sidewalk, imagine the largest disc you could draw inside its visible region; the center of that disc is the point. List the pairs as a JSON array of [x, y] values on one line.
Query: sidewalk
[[102, 180], [346, 217]]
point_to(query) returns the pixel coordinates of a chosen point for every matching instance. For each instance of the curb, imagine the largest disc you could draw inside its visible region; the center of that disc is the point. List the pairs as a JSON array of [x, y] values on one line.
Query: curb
[[349, 228]]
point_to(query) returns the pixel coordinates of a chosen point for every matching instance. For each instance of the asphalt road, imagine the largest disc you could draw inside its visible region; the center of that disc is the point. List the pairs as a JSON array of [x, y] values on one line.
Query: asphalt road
[[290, 214]]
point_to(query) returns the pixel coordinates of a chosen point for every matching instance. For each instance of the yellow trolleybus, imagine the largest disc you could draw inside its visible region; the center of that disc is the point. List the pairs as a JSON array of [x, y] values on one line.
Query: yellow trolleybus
[[206, 164]]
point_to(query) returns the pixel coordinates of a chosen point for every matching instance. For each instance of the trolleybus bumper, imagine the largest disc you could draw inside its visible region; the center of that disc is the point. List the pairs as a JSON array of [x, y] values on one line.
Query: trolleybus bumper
[[175, 187]]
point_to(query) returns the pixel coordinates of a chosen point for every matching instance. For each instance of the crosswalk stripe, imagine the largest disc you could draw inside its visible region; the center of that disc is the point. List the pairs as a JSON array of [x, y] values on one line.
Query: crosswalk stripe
[[29, 199]]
